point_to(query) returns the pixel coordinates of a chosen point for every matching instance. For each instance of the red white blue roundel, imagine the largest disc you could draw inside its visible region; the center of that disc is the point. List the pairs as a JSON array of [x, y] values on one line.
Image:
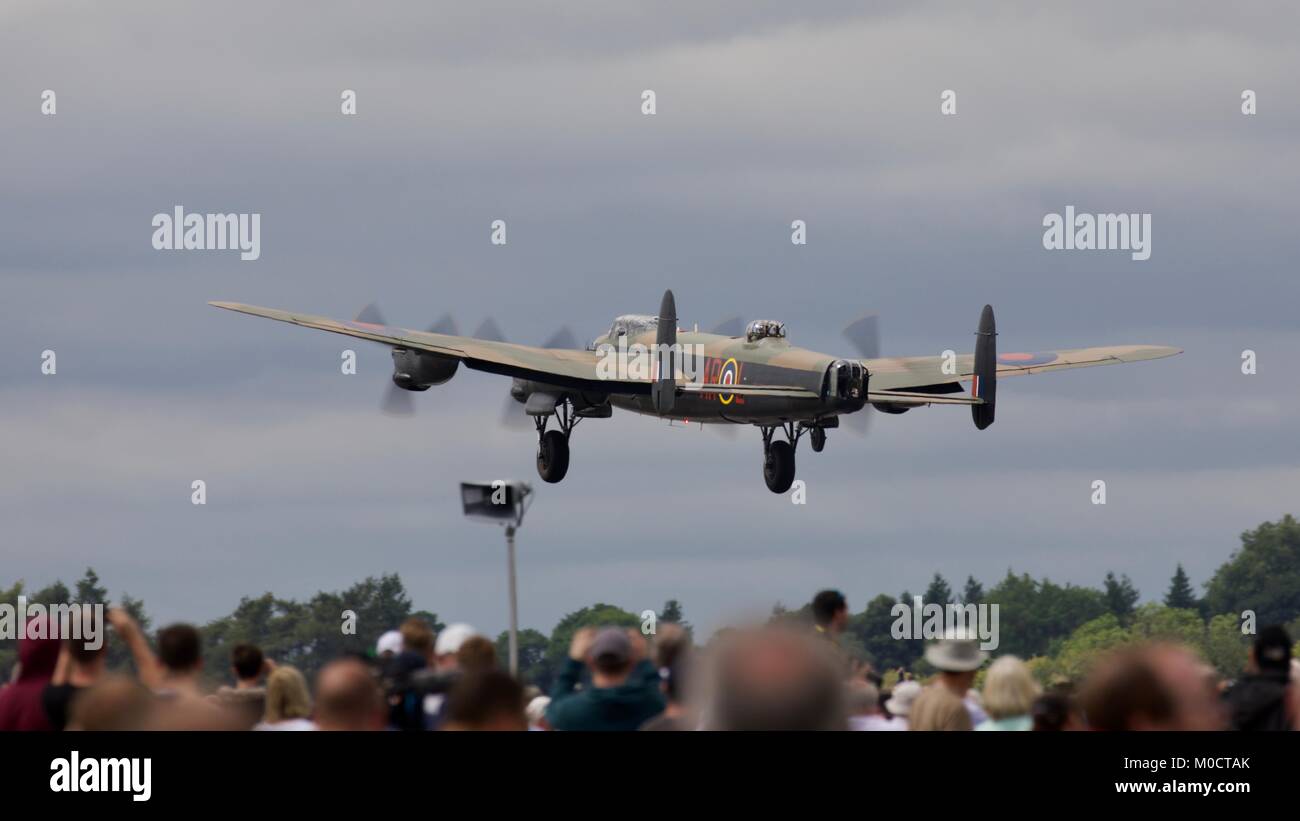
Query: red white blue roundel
[[1025, 360], [729, 375]]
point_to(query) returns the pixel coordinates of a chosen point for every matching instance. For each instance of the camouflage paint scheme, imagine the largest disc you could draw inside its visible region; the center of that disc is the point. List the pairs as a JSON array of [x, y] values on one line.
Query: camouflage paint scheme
[[765, 382]]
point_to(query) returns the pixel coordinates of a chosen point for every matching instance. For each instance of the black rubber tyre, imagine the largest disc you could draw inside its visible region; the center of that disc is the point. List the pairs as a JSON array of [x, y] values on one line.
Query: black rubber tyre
[[778, 467], [817, 438], [553, 456]]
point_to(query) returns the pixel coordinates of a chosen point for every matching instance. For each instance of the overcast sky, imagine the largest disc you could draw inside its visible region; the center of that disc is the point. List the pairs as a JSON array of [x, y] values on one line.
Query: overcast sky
[[531, 113]]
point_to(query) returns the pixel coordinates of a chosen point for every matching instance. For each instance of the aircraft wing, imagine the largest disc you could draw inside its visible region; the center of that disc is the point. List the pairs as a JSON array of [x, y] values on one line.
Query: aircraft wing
[[907, 398], [555, 366], [899, 373]]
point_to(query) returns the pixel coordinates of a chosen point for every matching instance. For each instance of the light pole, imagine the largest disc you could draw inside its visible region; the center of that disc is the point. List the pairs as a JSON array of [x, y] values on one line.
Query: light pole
[[501, 502], [514, 601]]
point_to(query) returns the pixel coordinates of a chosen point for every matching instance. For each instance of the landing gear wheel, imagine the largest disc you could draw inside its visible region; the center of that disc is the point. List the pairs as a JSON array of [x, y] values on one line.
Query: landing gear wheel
[[553, 456], [778, 466], [818, 437]]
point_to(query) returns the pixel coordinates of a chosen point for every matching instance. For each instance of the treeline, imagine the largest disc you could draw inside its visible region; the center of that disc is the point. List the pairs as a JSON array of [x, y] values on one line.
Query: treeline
[[1058, 628]]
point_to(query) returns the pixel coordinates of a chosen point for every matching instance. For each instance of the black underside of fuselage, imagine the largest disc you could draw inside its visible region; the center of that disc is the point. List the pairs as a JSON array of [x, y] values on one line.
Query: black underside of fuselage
[[715, 410]]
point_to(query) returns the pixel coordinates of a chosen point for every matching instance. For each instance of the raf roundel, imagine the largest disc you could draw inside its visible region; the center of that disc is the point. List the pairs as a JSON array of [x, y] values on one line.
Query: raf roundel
[[729, 376]]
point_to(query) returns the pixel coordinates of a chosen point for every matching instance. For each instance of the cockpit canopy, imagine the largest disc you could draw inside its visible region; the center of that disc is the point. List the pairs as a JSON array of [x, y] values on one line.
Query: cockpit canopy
[[632, 325], [763, 329]]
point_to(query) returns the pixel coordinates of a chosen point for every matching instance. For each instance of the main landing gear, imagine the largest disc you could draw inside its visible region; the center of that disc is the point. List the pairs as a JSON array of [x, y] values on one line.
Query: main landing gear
[[778, 456], [553, 445]]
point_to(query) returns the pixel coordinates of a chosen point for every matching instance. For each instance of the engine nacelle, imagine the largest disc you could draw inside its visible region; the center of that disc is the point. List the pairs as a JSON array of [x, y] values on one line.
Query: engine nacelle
[[419, 371]]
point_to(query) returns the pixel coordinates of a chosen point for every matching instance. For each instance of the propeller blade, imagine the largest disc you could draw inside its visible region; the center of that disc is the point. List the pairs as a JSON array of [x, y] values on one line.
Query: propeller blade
[[563, 339], [864, 335], [370, 315], [859, 422], [489, 331], [446, 325], [513, 416], [397, 402], [733, 326]]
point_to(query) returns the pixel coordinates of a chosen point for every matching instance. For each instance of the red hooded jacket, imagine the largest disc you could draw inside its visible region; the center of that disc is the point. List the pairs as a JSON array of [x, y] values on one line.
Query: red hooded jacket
[[20, 702]]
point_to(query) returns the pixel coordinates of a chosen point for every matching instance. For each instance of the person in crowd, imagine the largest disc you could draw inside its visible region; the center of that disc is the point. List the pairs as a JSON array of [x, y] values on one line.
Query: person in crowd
[[830, 614], [114, 702], [1294, 689], [536, 712], [901, 699], [448, 645], [78, 669], [671, 642], [21, 705], [864, 708], [677, 714], [485, 700], [775, 679], [406, 668], [623, 690], [477, 654], [247, 699], [938, 708], [957, 659], [288, 703], [1151, 687], [417, 644], [348, 697], [175, 671], [180, 654], [389, 645], [1009, 694], [1056, 711], [1258, 701]]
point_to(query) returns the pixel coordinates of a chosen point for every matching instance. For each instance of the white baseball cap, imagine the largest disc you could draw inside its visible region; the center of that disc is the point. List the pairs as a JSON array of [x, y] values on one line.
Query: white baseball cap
[[452, 637], [390, 642]]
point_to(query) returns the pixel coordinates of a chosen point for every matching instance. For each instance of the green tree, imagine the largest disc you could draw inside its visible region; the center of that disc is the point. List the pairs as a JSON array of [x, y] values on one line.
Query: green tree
[[872, 629], [972, 592], [939, 592], [9, 647], [1032, 615], [308, 634], [534, 667], [119, 657], [1181, 595], [1262, 575], [1156, 622], [1121, 596], [1089, 642], [57, 593], [597, 615], [784, 615], [1226, 646], [673, 614], [89, 590]]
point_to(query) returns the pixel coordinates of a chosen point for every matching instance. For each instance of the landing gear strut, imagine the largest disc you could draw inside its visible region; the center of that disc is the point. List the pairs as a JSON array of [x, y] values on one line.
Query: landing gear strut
[[553, 445], [778, 456]]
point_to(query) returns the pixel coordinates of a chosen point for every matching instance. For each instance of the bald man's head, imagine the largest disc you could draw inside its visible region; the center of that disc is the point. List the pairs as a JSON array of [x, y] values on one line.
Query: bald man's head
[[348, 697]]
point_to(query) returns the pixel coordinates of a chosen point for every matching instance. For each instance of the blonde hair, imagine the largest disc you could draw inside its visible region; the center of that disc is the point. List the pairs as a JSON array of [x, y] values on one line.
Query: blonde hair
[[1009, 688], [286, 695]]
